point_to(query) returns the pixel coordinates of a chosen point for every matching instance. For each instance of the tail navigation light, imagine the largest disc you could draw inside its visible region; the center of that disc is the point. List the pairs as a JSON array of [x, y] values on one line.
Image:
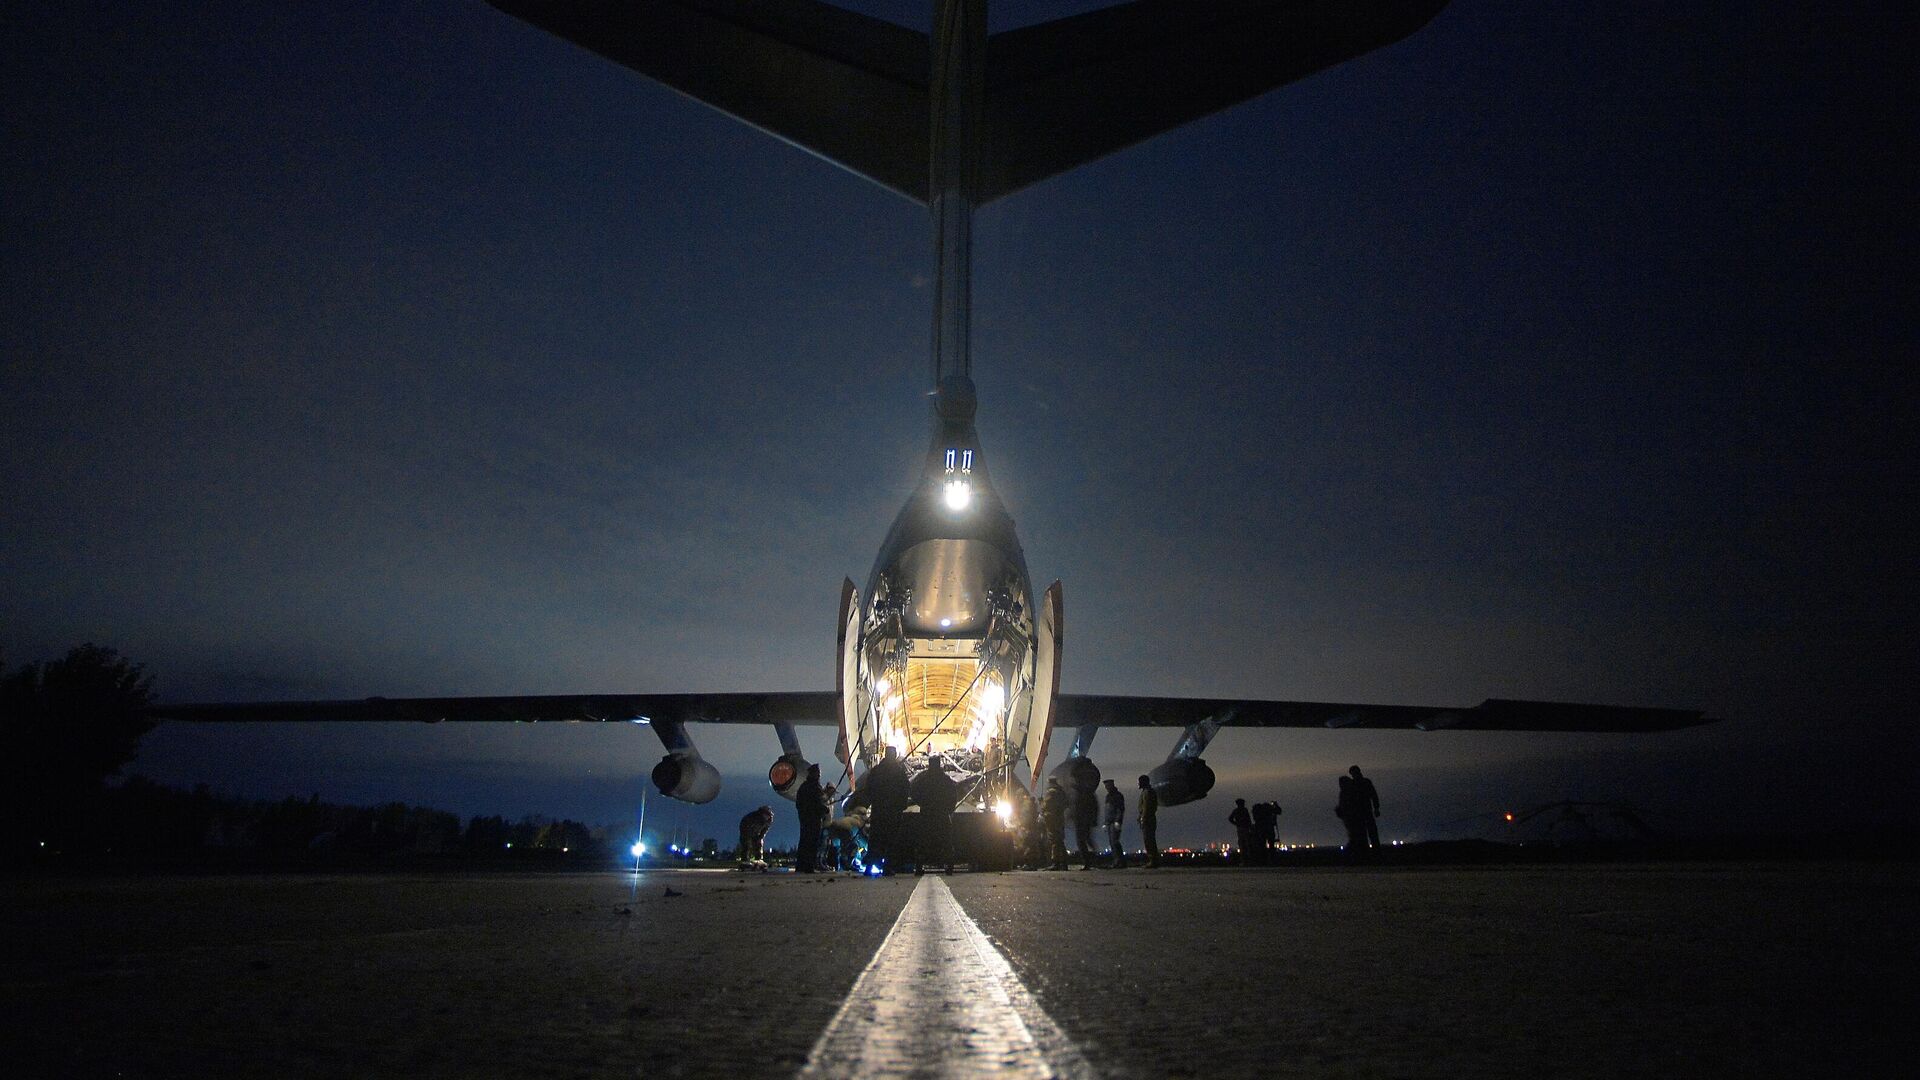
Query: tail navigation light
[[957, 490]]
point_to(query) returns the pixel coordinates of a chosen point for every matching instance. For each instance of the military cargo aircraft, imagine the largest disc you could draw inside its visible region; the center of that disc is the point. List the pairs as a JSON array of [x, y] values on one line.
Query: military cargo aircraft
[[947, 649]]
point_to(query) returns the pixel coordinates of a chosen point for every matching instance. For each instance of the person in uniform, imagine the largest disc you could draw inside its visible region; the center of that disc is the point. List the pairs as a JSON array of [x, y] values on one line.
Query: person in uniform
[[1116, 818], [1266, 826], [1368, 801], [753, 835], [1149, 816], [1029, 848], [888, 796], [1242, 822], [811, 802], [1053, 819], [1086, 811], [936, 794], [1351, 814]]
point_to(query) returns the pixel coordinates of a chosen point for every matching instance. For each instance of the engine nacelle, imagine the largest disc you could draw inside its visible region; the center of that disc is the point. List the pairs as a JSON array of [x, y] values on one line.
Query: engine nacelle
[[1181, 780], [687, 777], [1077, 774], [787, 774]]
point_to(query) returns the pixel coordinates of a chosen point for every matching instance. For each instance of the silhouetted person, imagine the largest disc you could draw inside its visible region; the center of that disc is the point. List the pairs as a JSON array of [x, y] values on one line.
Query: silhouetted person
[[1116, 820], [887, 795], [1029, 836], [811, 801], [1149, 816], [753, 835], [1086, 811], [1354, 816], [1369, 802], [1053, 819], [1242, 823], [935, 793], [1265, 830]]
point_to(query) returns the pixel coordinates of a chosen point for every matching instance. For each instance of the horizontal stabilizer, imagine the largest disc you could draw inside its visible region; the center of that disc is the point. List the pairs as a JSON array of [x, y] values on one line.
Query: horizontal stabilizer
[[841, 85], [1064, 93], [854, 89]]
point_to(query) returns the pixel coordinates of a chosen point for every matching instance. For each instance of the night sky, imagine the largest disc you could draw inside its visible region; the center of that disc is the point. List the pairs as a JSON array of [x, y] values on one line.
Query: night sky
[[1554, 352]]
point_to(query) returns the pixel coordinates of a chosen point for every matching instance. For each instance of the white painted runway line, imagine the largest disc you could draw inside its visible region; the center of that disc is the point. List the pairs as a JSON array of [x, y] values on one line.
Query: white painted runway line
[[938, 1000]]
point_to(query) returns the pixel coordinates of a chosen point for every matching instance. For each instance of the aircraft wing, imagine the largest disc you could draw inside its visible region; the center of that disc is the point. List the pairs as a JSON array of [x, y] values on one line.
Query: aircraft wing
[[1494, 714], [854, 89], [792, 708], [1071, 710]]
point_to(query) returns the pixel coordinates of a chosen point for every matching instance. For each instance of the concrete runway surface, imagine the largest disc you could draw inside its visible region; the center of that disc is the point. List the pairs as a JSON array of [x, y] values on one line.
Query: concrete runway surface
[[1601, 971]]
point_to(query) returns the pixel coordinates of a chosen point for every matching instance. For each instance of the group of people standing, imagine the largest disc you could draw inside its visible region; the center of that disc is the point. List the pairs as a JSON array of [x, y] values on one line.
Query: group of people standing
[[896, 838], [1257, 828], [1043, 827], [1358, 809]]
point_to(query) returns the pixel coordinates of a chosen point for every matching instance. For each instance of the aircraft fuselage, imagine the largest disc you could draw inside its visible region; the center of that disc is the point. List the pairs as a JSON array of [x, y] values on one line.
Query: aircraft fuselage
[[943, 659]]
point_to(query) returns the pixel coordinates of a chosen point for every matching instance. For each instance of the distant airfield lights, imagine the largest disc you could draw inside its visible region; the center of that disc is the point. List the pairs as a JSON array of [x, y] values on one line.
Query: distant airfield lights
[[1508, 815]]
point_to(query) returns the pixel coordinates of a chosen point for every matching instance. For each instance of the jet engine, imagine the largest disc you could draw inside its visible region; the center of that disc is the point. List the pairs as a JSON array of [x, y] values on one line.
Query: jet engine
[[687, 777], [787, 774], [1181, 780]]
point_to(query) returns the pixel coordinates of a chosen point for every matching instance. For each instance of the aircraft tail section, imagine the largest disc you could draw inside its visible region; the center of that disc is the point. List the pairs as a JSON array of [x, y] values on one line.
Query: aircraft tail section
[[855, 90]]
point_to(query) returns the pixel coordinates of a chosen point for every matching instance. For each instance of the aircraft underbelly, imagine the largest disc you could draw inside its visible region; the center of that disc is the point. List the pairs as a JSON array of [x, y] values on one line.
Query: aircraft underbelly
[[947, 582]]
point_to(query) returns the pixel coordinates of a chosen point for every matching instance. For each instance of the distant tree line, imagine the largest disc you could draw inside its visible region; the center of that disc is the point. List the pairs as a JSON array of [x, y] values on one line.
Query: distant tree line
[[68, 726], [65, 727], [143, 817]]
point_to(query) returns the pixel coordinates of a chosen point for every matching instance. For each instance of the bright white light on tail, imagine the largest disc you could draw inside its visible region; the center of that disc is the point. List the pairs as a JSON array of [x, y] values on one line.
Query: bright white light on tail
[[958, 494]]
